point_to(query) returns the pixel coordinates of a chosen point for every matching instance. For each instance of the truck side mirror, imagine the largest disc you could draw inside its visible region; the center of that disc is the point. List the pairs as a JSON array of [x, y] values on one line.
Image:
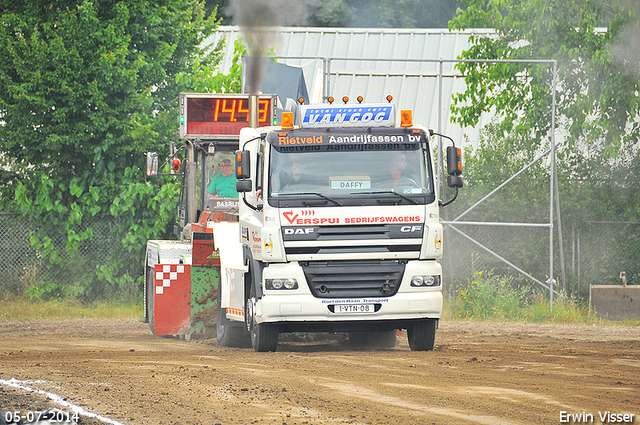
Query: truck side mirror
[[243, 167], [455, 181], [243, 185], [152, 163], [243, 172], [454, 167]]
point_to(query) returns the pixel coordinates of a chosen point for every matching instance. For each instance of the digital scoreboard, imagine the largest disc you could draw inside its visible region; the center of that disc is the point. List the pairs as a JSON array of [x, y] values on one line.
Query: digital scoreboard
[[203, 115]]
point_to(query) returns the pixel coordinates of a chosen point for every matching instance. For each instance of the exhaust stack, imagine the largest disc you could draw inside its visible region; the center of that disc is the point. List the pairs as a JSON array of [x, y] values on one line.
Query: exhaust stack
[[253, 111]]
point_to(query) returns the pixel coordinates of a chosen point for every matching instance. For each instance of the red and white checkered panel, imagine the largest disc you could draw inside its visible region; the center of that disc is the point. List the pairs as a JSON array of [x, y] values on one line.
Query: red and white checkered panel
[[168, 274], [172, 299]]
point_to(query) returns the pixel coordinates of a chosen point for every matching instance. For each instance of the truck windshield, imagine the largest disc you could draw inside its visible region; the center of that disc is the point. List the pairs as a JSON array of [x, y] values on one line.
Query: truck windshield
[[349, 166]]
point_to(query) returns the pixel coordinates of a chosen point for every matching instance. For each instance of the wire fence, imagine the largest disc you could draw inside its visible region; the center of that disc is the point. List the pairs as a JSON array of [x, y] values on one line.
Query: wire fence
[[22, 265], [595, 252]]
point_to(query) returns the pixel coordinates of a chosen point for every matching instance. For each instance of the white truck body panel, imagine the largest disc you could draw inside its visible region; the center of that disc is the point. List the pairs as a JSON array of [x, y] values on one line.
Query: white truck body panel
[[232, 267]]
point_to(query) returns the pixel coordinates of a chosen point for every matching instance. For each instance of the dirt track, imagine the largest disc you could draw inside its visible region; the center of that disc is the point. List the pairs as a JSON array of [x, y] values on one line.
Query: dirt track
[[484, 373]]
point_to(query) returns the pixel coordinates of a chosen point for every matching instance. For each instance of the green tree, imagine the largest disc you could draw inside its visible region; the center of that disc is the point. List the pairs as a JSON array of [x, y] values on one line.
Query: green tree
[[598, 92], [402, 13], [352, 13], [86, 87], [207, 78]]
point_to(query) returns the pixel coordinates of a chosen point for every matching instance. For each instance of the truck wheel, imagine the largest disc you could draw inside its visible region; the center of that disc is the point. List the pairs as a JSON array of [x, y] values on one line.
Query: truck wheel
[[422, 335], [264, 336], [228, 333]]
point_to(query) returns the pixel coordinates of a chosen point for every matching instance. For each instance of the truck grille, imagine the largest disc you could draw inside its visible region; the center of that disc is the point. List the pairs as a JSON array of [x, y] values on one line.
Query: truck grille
[[335, 240], [353, 279]]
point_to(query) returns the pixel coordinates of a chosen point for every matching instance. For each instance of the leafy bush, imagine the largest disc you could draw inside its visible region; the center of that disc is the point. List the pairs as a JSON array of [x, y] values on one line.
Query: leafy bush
[[493, 297], [489, 297], [89, 89]]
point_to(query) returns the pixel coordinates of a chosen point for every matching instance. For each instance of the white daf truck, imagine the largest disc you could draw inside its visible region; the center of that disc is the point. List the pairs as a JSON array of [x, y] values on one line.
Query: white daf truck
[[338, 226]]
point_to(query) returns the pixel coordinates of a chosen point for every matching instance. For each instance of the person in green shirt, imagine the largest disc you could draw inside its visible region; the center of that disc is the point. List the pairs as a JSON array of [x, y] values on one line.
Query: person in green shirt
[[224, 185]]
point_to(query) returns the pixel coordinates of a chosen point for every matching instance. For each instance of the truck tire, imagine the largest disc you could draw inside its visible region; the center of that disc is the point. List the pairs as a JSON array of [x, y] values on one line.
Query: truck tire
[[264, 336], [422, 334], [228, 333]]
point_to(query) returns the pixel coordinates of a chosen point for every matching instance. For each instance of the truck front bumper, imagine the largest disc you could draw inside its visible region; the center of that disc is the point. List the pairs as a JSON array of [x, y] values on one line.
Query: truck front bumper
[[300, 310]]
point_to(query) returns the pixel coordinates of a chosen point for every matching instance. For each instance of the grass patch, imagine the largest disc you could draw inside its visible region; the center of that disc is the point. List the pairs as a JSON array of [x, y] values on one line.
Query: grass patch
[[21, 309], [494, 298], [563, 312]]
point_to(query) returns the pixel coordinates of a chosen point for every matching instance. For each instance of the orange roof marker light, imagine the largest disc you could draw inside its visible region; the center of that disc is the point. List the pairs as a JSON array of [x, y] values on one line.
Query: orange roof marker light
[[345, 99], [389, 98], [406, 118], [287, 120], [331, 99], [360, 99], [301, 100]]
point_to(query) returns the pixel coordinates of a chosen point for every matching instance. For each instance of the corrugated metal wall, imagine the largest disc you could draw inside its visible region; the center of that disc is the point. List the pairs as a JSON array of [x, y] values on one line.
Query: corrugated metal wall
[[397, 69]]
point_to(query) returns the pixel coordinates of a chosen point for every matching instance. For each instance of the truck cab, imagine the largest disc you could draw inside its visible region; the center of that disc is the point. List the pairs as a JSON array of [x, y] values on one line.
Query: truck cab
[[339, 226]]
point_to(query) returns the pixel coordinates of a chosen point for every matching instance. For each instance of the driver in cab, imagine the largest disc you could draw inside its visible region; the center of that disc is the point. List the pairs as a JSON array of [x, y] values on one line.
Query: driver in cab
[[397, 166], [223, 185]]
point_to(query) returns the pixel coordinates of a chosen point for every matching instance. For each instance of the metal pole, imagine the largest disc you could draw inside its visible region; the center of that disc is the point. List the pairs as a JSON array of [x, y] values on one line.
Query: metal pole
[[440, 182], [328, 76], [558, 212], [253, 111], [551, 178], [495, 223], [533, 61], [325, 81], [191, 184], [440, 165]]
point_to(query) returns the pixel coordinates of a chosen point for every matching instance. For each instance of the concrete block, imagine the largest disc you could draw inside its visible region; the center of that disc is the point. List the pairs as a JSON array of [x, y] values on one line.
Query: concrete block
[[615, 302]]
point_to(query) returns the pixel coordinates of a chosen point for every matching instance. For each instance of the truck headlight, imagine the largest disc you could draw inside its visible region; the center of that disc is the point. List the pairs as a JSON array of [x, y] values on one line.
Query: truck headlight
[[431, 280], [287, 283]]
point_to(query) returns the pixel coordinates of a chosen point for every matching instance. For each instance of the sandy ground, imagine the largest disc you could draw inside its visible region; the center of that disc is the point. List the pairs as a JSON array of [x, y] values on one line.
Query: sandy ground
[[479, 373]]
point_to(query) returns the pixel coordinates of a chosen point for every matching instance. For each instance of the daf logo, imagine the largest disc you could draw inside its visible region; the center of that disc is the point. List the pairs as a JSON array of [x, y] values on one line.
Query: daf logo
[[299, 231], [410, 229]]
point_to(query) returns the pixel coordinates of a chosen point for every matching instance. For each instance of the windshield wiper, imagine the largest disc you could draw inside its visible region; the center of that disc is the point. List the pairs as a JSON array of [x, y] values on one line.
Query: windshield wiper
[[320, 195], [390, 191]]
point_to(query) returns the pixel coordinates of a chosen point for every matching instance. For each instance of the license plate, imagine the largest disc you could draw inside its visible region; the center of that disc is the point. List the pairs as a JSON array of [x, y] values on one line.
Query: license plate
[[354, 308]]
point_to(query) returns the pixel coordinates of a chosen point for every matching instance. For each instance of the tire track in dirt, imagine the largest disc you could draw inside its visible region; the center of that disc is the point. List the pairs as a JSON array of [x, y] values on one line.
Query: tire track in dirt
[[479, 373]]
